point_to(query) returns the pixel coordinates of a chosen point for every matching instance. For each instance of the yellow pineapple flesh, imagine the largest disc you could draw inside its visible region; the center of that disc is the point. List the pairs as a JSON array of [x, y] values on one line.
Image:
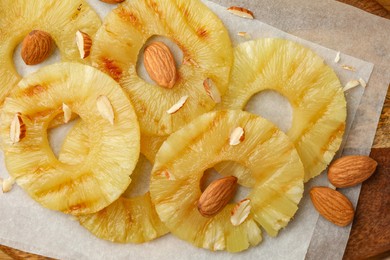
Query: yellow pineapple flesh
[[104, 175], [312, 87], [275, 180], [207, 53], [128, 219], [61, 19]]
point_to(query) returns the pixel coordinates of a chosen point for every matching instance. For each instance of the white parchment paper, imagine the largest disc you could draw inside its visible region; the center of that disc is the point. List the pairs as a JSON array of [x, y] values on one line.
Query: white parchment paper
[[25, 225]]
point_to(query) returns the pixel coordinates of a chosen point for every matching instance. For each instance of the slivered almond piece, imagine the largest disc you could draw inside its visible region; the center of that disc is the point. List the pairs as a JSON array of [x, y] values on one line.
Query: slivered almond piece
[[337, 58], [8, 184], [240, 212], [17, 129], [105, 108], [237, 136], [160, 64], [84, 44], [245, 35], [178, 105], [67, 112], [347, 67], [240, 11], [212, 90], [216, 196], [351, 84], [362, 83]]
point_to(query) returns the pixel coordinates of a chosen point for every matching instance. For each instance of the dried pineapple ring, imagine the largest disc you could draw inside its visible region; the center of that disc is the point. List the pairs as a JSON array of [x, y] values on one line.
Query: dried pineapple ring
[[313, 89], [61, 19], [127, 219], [104, 175], [276, 179], [195, 29]]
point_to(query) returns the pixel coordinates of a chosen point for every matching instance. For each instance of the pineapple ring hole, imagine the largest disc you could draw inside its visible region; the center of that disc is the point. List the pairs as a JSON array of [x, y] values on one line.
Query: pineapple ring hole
[[57, 135], [175, 49], [273, 106], [23, 70], [211, 174], [140, 178]]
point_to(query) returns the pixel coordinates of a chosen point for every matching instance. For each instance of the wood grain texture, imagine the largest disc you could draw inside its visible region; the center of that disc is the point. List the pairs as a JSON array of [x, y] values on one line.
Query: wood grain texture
[[382, 138], [372, 6], [370, 234], [363, 226]]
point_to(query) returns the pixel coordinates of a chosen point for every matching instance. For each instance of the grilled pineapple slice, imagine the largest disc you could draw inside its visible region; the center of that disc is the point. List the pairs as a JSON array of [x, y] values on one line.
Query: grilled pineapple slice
[[203, 40], [275, 180], [61, 19], [128, 219], [313, 89], [103, 176]]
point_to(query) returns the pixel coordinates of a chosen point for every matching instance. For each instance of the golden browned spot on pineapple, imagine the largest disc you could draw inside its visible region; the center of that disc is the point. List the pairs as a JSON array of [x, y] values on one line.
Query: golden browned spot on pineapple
[[202, 32], [337, 133], [77, 207], [35, 90], [111, 68], [128, 16], [77, 12], [154, 6]]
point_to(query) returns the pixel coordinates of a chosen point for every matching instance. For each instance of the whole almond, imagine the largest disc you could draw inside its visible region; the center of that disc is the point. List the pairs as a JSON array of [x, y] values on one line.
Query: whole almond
[[216, 196], [332, 205], [37, 46], [160, 64], [351, 170]]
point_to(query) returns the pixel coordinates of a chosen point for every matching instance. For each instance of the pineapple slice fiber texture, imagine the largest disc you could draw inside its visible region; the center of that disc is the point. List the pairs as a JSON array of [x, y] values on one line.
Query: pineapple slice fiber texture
[[128, 219], [61, 19], [312, 87], [105, 174], [276, 179], [207, 53]]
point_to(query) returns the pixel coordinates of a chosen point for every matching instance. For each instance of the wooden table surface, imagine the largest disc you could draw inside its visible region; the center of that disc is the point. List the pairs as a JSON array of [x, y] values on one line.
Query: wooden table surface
[[369, 223]]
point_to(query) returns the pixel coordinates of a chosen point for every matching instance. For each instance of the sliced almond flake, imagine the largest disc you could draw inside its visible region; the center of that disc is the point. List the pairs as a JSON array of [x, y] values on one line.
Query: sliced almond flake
[[105, 108], [347, 67], [84, 44], [337, 58], [240, 212], [331, 186], [67, 112], [212, 90], [362, 82], [237, 136], [240, 11], [17, 129], [351, 84], [245, 35], [178, 105], [8, 184]]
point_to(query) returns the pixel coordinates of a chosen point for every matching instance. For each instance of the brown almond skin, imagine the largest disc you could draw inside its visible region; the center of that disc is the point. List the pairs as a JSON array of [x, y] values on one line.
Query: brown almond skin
[[160, 64], [351, 170], [332, 205], [216, 196], [37, 46]]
